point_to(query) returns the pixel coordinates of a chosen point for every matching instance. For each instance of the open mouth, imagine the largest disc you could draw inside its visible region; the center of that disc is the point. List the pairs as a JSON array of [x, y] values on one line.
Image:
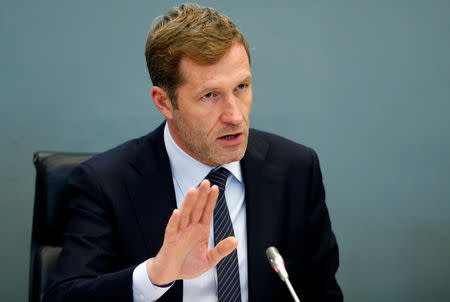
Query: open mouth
[[230, 136]]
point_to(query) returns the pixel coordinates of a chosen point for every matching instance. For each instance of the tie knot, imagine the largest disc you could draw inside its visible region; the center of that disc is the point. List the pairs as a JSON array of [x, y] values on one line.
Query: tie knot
[[218, 177]]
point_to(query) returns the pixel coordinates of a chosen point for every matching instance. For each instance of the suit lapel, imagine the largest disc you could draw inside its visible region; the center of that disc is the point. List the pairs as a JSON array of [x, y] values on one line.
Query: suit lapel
[[263, 190], [153, 197]]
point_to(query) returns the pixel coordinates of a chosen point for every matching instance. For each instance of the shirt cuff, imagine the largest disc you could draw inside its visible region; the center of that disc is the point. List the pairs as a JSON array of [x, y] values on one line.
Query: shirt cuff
[[143, 289]]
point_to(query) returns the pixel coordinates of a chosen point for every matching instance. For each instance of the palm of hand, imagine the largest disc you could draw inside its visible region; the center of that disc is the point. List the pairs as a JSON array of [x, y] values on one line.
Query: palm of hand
[[194, 240], [185, 254]]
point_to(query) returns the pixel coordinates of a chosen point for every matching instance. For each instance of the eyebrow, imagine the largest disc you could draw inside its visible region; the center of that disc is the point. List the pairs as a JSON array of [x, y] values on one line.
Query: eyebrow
[[247, 78], [211, 88]]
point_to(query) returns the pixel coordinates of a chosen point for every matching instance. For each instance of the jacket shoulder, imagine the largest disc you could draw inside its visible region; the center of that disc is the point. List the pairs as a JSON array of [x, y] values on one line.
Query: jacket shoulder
[[115, 160], [279, 148]]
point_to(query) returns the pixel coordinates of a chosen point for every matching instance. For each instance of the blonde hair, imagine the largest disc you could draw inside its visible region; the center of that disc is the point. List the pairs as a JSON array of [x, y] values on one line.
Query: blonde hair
[[199, 33]]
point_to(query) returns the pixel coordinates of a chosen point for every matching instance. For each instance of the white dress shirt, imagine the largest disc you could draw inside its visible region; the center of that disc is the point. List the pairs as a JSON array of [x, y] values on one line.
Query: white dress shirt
[[188, 172]]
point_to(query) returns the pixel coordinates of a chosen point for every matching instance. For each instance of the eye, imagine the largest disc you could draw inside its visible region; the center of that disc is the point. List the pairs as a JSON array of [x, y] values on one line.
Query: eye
[[242, 87], [209, 96]]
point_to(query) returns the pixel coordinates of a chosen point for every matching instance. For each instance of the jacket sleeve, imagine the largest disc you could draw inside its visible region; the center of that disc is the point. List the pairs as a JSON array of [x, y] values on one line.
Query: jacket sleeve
[[322, 249], [89, 268]]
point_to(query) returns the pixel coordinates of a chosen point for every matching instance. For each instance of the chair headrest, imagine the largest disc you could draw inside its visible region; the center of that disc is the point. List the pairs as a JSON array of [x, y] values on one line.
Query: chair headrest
[[50, 212]]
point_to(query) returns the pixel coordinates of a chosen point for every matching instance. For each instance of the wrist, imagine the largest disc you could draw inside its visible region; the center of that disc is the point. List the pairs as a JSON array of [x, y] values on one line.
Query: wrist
[[156, 278]]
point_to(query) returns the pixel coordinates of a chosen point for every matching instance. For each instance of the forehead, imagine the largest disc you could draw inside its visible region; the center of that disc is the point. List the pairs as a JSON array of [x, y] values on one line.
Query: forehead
[[232, 68]]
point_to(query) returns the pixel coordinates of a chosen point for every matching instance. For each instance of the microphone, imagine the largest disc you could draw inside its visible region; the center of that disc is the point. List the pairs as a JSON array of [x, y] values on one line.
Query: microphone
[[277, 263]]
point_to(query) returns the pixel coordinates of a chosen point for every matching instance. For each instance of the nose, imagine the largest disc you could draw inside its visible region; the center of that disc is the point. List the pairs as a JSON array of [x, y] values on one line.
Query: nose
[[232, 113]]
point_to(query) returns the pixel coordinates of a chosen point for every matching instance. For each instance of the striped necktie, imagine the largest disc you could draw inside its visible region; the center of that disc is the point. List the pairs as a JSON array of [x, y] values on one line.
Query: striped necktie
[[228, 284]]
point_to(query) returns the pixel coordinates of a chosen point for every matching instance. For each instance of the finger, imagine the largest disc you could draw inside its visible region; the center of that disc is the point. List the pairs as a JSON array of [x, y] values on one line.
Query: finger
[[201, 200], [172, 226], [222, 249], [186, 208], [210, 205]]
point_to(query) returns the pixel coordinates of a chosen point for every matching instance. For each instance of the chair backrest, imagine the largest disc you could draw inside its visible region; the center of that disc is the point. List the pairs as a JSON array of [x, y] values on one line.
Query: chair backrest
[[49, 215]]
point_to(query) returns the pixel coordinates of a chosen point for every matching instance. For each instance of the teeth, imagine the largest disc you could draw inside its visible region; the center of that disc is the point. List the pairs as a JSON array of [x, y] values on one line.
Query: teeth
[[228, 136]]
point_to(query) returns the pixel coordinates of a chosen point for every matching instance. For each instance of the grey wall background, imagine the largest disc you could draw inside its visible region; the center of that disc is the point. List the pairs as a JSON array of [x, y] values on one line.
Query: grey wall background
[[365, 83]]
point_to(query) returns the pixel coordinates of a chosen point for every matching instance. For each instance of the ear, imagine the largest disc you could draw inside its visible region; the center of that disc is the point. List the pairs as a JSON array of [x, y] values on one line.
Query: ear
[[162, 102]]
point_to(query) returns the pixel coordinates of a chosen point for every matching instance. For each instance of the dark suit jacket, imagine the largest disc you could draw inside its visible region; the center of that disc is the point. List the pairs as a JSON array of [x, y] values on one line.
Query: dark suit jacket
[[122, 199]]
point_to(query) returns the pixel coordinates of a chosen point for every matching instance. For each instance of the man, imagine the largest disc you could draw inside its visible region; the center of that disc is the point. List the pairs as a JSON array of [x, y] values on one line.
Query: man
[[144, 223]]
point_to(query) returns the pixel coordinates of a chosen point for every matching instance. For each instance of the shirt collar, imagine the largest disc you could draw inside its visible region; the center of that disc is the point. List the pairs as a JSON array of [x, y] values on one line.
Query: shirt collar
[[188, 171]]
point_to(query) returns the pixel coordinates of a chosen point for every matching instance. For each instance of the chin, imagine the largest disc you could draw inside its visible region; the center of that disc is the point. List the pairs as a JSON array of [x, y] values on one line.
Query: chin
[[236, 156]]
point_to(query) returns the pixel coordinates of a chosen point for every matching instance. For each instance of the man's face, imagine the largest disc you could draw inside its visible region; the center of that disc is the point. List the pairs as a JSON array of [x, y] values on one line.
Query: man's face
[[211, 122]]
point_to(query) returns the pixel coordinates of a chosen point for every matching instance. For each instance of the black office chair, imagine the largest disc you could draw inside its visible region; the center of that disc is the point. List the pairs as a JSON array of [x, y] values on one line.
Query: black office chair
[[49, 216]]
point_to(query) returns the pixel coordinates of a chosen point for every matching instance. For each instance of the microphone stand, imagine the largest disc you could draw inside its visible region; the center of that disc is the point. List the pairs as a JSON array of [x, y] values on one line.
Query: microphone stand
[[291, 290]]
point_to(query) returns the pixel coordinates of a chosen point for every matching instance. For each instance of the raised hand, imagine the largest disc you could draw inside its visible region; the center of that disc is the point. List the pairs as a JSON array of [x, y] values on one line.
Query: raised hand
[[184, 253]]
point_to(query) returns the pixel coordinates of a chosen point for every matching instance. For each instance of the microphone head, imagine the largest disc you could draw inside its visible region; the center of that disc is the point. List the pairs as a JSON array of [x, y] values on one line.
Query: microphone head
[[272, 253], [277, 262]]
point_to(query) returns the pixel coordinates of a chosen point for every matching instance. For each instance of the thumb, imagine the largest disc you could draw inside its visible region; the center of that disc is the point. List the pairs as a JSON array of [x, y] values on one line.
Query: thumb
[[221, 250]]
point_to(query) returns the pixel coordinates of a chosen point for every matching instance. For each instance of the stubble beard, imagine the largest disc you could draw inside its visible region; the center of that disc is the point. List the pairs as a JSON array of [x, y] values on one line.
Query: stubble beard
[[212, 154]]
